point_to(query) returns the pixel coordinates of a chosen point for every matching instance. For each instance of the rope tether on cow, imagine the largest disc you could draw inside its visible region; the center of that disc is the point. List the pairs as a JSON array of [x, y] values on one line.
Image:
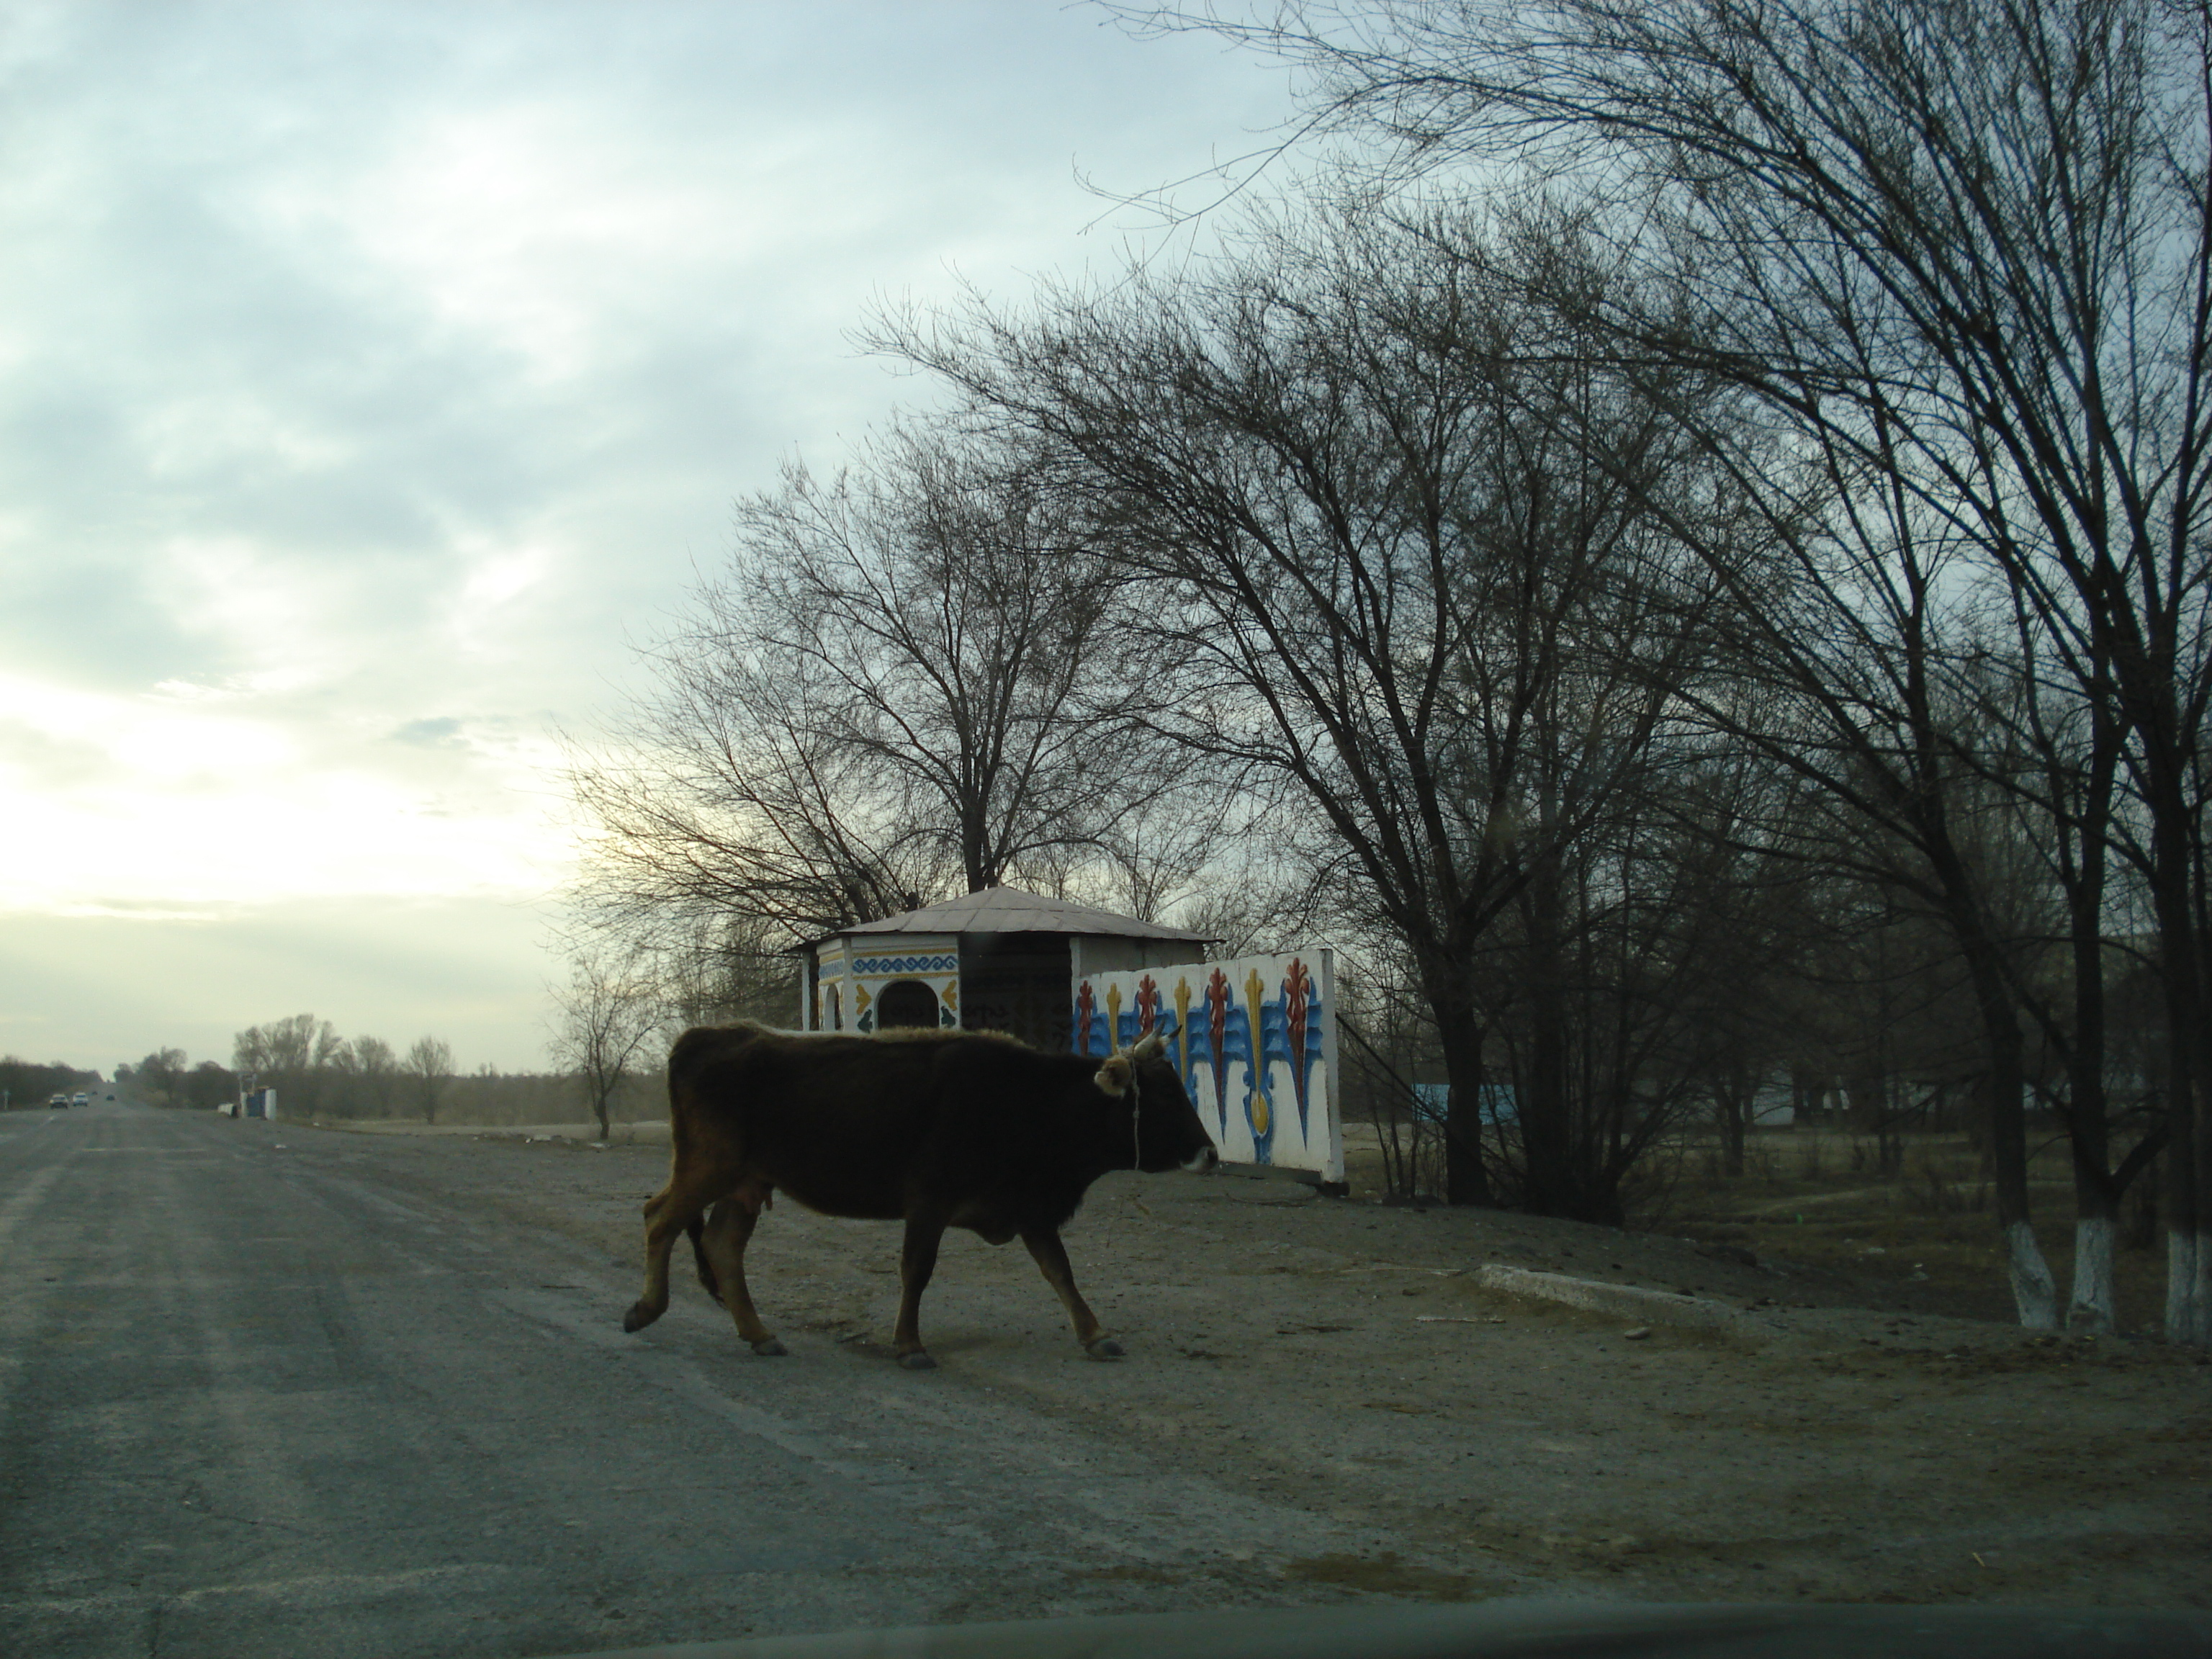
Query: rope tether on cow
[[1136, 1117], [1136, 1129]]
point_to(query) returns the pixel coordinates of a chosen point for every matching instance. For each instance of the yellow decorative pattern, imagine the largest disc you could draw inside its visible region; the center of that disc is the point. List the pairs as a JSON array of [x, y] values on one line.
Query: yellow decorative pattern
[[1263, 1111]]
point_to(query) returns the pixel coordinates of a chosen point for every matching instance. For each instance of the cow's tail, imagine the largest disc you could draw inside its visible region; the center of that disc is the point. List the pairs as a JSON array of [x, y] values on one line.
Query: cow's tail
[[697, 1226]]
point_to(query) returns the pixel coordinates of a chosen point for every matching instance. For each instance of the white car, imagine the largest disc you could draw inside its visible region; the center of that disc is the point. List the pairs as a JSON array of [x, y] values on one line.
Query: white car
[[81, 1100]]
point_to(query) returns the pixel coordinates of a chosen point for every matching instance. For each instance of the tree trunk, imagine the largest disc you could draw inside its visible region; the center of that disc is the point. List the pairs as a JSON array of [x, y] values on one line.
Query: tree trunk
[[2185, 1300], [1548, 1182], [2096, 1198], [2096, 1195], [1546, 1140], [2091, 1308], [2034, 1293], [2177, 896], [1467, 1181], [1732, 1105]]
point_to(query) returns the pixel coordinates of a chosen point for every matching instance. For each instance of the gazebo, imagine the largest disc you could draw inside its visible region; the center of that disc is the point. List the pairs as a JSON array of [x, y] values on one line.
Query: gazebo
[[1000, 960]]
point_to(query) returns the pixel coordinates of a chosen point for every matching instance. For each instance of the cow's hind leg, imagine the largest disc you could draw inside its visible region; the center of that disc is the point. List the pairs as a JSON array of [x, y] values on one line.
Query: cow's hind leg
[[1051, 1257], [669, 1212], [917, 1261], [722, 1248], [756, 1194]]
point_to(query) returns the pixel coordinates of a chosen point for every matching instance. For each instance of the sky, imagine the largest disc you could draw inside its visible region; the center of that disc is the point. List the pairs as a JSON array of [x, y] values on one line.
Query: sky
[[375, 378]]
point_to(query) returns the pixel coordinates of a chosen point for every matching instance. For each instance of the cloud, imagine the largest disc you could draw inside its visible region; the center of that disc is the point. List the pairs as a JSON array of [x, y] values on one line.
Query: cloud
[[441, 733], [370, 373]]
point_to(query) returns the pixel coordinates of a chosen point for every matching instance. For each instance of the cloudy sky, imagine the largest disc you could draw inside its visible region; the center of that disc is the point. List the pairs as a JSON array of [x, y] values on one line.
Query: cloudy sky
[[372, 376]]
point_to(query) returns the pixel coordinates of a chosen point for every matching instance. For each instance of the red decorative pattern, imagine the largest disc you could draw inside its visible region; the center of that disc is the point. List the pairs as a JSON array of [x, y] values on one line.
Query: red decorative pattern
[[1217, 1031], [1298, 992]]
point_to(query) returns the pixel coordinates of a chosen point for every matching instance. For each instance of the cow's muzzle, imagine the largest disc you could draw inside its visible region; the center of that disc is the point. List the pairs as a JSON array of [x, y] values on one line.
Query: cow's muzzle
[[1203, 1159]]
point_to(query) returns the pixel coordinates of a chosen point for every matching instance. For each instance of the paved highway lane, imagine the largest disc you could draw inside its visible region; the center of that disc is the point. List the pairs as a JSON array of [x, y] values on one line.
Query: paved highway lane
[[259, 1396]]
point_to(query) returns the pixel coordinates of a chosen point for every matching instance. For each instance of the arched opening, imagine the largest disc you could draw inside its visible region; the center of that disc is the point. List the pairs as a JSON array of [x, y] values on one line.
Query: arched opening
[[906, 1002]]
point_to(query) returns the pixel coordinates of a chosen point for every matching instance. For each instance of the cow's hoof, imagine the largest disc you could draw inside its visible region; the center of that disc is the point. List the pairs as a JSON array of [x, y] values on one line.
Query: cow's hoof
[[638, 1317], [769, 1347], [1105, 1348], [917, 1361]]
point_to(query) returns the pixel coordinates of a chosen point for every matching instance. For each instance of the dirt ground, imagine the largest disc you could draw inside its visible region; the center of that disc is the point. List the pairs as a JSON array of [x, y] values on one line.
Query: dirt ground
[[1850, 1437]]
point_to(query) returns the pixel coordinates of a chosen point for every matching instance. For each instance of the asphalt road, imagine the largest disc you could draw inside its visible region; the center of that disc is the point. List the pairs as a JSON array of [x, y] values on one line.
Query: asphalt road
[[259, 1395]]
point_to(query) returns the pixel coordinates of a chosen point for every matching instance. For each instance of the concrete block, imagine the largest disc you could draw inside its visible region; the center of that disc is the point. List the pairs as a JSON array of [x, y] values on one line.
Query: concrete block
[[1620, 1301]]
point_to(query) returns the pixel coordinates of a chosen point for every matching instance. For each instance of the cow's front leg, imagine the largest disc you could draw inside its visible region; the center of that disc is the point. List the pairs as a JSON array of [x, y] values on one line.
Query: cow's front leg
[[729, 1229], [1051, 1257], [917, 1261]]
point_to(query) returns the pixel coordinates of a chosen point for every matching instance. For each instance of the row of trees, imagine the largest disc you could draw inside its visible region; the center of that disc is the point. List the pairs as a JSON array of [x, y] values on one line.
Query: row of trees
[[602, 1045], [29, 1084], [1728, 594], [1947, 268], [167, 1077], [317, 1074]]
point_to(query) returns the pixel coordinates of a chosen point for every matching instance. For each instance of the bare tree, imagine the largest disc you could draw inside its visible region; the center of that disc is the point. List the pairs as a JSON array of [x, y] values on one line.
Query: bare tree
[[297, 1057], [208, 1084], [735, 968], [893, 690], [610, 1009], [1968, 244], [1446, 631], [2071, 835], [160, 1076], [427, 1068], [375, 1075]]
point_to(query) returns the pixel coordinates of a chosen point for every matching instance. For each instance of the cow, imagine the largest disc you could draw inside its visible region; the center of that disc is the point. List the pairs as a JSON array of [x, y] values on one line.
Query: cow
[[937, 1129]]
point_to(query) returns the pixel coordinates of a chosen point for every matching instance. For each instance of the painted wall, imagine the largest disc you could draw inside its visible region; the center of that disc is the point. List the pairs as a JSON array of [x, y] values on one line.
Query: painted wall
[[1272, 1102]]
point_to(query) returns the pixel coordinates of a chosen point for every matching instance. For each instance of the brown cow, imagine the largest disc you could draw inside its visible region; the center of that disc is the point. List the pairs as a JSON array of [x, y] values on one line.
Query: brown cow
[[936, 1128]]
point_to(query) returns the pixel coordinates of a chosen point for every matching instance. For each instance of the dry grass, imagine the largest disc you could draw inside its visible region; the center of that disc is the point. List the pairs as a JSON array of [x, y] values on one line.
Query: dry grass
[[1819, 1197], [1925, 1232]]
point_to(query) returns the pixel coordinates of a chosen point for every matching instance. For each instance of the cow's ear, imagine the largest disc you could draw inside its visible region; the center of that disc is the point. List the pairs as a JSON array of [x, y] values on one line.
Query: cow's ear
[[1151, 1049], [1113, 1076]]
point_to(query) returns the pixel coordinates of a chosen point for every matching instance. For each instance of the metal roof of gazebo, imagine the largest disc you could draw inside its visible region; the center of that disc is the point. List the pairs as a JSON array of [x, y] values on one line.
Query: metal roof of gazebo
[[1010, 910]]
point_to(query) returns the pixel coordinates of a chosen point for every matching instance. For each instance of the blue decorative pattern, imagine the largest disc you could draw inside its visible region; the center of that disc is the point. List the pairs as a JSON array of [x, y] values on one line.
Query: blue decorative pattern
[[1275, 1121], [906, 965]]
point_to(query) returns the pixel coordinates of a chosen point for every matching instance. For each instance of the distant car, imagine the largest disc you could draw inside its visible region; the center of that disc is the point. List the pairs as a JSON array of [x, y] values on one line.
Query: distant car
[[81, 1100], [58, 1102]]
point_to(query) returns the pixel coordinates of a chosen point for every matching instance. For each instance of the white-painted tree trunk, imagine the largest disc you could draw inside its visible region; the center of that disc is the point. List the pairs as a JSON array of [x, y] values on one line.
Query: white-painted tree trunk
[[2187, 1304], [2202, 1300], [2033, 1291], [2091, 1308]]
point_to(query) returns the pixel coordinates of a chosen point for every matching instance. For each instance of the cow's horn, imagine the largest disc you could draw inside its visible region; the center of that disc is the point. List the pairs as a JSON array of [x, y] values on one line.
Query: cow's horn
[[1150, 1048], [1113, 1076]]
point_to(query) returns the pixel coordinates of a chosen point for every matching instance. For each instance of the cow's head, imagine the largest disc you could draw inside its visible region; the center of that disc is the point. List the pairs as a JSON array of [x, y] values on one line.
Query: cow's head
[[1165, 1130]]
